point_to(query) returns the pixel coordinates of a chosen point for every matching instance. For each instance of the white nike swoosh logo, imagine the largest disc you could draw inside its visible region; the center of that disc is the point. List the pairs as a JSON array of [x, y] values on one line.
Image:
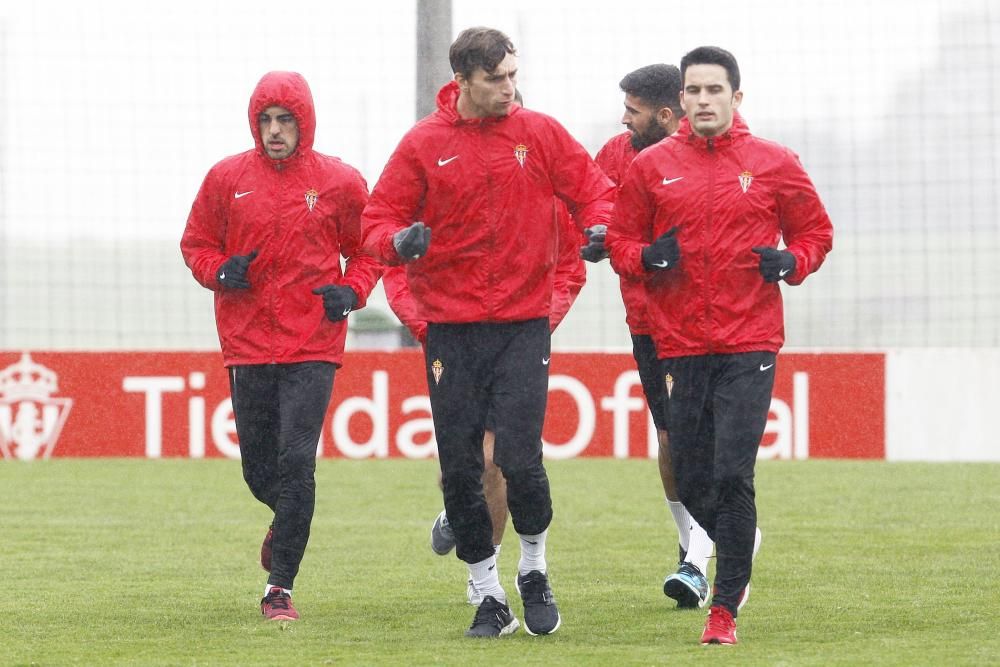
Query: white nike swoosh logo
[[668, 181], [545, 361], [662, 264], [346, 312], [442, 163], [783, 272], [241, 194], [222, 276], [764, 368]]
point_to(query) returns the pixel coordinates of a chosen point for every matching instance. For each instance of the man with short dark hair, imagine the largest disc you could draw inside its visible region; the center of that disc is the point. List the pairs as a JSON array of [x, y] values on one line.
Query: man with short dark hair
[[698, 217], [266, 233], [480, 173], [652, 112]]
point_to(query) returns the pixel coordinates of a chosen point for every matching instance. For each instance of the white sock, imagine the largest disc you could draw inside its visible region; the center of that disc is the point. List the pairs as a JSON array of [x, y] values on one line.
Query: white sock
[[486, 579], [496, 549], [268, 587], [700, 549], [532, 553], [683, 521]]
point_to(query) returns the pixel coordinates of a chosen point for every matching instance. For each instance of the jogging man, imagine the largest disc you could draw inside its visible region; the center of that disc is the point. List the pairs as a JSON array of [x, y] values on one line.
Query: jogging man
[[699, 216], [570, 276], [466, 202], [266, 233], [652, 112]]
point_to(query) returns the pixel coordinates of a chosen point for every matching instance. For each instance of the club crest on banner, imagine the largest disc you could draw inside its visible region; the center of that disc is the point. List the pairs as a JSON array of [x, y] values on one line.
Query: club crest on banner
[[746, 178], [521, 153], [31, 418], [311, 197]]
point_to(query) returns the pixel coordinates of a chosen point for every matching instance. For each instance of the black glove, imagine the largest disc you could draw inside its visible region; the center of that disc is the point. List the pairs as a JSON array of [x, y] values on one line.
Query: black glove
[[595, 251], [411, 243], [338, 301], [233, 272], [775, 264], [662, 253]]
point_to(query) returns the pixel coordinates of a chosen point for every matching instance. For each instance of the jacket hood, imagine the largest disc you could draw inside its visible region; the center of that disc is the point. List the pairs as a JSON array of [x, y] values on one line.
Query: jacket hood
[[739, 128], [447, 104], [289, 90]]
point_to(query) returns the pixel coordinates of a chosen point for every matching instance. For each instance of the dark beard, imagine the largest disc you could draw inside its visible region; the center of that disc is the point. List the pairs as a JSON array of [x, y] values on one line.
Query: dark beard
[[652, 136]]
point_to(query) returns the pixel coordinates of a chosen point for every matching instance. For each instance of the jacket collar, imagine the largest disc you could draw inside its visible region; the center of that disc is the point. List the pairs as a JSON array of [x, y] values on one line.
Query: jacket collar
[[447, 108], [738, 129]]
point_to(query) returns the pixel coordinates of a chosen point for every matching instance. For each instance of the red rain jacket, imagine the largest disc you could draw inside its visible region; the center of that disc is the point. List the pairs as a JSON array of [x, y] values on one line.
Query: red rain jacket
[[726, 194], [570, 276], [301, 214], [484, 186], [614, 158]]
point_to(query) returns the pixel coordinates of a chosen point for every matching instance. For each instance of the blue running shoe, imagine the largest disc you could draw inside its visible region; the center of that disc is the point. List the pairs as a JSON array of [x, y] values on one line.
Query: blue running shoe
[[688, 586]]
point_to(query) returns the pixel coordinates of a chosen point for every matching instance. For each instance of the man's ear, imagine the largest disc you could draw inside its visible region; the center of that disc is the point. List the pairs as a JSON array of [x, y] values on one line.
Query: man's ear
[[463, 83], [664, 116]]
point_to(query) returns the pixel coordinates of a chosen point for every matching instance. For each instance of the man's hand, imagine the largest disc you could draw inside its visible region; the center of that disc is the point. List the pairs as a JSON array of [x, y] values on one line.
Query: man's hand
[[775, 264], [412, 243], [595, 251], [233, 272], [338, 301], [662, 253]]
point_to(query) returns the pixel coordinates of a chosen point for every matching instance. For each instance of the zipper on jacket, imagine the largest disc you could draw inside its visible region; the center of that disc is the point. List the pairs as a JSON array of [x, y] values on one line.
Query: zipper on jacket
[[706, 250]]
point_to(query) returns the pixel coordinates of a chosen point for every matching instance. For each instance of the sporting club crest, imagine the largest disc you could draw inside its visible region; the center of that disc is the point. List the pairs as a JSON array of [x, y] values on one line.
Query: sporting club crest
[[746, 178], [311, 197], [521, 154], [30, 416], [437, 369], [669, 379]]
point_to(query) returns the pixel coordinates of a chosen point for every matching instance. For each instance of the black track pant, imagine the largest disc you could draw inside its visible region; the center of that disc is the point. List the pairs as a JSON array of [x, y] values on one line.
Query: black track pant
[[500, 369], [279, 412], [716, 414]]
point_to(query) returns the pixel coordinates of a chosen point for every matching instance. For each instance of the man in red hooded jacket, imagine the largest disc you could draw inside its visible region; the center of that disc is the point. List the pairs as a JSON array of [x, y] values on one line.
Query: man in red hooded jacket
[[652, 112], [266, 233], [569, 278], [480, 173], [699, 216]]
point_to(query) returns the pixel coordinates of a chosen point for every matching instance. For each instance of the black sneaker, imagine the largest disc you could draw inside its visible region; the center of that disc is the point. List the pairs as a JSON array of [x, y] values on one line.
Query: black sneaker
[[688, 586], [493, 619], [541, 615]]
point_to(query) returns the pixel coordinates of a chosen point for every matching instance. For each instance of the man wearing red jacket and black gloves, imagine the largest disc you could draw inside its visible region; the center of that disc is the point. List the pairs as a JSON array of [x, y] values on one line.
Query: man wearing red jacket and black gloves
[[699, 215], [570, 276], [266, 233], [479, 174], [652, 112]]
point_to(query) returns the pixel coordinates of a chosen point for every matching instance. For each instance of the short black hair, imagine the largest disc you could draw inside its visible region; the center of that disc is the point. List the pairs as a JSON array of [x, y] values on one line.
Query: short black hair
[[479, 47], [658, 85], [713, 55]]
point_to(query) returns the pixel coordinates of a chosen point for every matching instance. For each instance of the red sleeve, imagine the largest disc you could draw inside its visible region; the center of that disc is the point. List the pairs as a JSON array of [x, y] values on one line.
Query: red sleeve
[[579, 182], [361, 271], [571, 272], [805, 226], [397, 291], [393, 205], [203, 241], [631, 229]]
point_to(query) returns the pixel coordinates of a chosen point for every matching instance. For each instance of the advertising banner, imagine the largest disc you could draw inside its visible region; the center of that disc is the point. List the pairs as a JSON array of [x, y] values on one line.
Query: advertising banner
[[176, 404]]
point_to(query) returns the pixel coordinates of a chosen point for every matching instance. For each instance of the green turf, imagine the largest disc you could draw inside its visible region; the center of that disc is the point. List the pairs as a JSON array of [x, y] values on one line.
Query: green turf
[[155, 563]]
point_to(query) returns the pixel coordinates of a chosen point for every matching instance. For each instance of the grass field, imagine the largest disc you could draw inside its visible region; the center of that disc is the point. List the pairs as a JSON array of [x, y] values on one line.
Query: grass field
[[155, 563]]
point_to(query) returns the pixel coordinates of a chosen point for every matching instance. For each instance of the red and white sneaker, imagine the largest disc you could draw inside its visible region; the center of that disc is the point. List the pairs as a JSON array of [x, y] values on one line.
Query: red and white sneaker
[[265, 549], [720, 627], [277, 605]]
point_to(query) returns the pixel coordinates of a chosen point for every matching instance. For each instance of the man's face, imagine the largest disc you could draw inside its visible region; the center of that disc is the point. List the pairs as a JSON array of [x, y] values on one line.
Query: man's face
[[641, 119], [708, 99], [279, 132], [488, 94]]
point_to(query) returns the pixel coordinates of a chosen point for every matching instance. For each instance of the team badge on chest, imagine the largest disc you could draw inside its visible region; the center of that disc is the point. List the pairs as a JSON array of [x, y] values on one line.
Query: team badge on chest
[[311, 197], [521, 154], [746, 178]]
